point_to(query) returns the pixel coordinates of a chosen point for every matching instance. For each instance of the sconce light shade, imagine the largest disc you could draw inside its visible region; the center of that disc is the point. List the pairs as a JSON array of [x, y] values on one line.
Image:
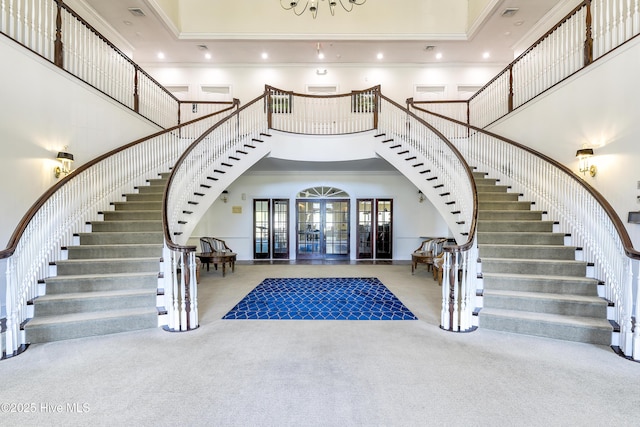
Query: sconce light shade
[[65, 159], [225, 196], [583, 156], [584, 152], [420, 196], [62, 155]]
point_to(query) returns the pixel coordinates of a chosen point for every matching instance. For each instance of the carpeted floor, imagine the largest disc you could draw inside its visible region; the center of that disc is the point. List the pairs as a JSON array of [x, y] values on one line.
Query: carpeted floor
[[321, 298], [319, 373]]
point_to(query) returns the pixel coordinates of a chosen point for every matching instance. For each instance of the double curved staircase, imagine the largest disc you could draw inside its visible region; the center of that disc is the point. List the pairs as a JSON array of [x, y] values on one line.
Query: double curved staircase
[[529, 281]]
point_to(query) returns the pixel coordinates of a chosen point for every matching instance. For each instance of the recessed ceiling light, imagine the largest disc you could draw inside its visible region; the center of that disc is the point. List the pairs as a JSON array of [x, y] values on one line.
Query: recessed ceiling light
[[127, 22], [439, 55], [265, 55], [207, 55], [518, 23], [486, 55], [320, 55], [380, 55], [160, 55]]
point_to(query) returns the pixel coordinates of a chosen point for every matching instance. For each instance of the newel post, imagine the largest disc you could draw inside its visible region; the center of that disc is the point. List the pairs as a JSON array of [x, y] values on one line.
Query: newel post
[[588, 42], [136, 94], [269, 110], [510, 100], [376, 94], [57, 44]]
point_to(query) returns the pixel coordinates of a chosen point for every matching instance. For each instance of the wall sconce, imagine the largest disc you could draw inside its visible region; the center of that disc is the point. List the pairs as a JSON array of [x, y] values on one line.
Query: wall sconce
[[65, 160], [420, 196], [583, 155], [225, 196]]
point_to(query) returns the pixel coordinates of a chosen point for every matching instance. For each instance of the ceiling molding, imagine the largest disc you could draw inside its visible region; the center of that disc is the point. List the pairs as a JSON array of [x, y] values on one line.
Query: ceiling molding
[[482, 18], [332, 36], [164, 18]]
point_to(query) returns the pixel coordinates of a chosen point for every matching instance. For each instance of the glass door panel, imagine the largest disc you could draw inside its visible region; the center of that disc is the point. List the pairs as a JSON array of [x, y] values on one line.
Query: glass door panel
[[309, 229], [383, 229], [336, 228], [261, 229], [322, 229], [281, 229], [363, 236]]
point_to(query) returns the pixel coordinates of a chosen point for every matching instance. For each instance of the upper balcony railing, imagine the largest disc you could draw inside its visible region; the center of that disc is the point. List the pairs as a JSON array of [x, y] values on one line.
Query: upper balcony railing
[[322, 114], [593, 29], [55, 32]]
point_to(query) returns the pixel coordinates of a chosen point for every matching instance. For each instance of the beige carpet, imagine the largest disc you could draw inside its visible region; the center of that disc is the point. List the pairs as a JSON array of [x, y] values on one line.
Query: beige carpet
[[319, 373]]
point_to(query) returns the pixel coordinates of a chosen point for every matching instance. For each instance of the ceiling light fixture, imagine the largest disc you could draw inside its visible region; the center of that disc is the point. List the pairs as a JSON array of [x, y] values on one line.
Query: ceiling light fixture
[[300, 6]]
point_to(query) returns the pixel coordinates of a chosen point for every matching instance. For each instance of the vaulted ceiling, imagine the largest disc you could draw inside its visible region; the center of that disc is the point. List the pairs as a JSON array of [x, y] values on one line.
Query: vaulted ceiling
[[403, 31]]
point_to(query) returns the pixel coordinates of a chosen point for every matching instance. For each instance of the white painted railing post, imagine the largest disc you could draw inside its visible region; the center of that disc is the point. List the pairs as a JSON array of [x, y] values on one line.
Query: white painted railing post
[[626, 327], [447, 293], [635, 353]]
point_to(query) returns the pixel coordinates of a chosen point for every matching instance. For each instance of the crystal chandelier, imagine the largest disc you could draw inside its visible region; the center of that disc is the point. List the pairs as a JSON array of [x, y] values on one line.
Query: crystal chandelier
[[300, 6]]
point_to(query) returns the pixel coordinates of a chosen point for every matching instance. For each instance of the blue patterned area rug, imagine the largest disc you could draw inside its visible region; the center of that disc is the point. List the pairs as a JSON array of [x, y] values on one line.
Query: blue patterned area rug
[[360, 298]]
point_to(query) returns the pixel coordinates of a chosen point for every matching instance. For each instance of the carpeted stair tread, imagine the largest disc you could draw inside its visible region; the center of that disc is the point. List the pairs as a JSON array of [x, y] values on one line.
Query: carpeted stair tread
[[99, 276], [94, 294], [535, 261], [89, 316], [96, 260], [591, 322], [546, 296], [539, 277], [119, 237], [153, 225], [527, 251]]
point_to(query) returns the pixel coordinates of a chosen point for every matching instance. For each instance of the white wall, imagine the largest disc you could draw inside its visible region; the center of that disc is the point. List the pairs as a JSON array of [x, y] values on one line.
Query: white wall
[[598, 108], [411, 219], [397, 81], [43, 110]]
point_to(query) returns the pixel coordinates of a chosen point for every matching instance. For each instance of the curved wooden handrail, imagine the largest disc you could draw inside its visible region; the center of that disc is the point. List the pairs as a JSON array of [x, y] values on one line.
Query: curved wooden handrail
[[613, 216], [24, 222], [335, 95], [165, 222], [533, 46], [115, 48], [472, 229]]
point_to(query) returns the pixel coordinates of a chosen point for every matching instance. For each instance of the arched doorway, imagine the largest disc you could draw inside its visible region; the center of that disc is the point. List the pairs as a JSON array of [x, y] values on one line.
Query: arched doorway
[[322, 223]]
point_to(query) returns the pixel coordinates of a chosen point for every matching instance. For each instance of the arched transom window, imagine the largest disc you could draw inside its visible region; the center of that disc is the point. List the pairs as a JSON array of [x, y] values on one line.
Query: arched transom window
[[322, 193]]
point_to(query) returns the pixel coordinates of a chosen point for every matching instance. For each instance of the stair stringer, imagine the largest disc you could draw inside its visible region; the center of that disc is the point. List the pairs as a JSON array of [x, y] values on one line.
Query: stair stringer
[[432, 187], [190, 212]]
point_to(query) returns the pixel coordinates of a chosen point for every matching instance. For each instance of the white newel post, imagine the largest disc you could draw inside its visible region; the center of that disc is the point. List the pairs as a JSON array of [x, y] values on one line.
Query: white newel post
[[636, 333], [11, 334], [444, 314], [181, 290], [626, 331]]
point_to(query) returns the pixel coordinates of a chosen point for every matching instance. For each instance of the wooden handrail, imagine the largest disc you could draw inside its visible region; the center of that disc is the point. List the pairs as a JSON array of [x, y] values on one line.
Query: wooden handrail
[[533, 46], [335, 95], [112, 46], [165, 199], [623, 234], [24, 222], [472, 229]]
